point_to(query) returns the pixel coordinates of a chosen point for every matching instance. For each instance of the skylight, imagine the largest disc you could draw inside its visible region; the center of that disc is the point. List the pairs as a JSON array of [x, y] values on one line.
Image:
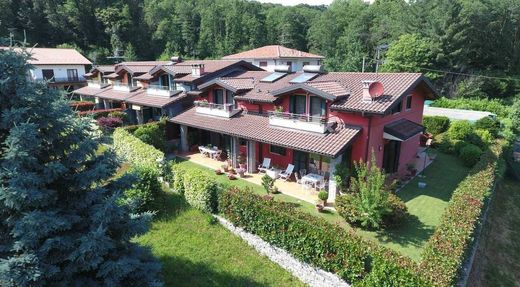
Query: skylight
[[304, 78], [273, 77]]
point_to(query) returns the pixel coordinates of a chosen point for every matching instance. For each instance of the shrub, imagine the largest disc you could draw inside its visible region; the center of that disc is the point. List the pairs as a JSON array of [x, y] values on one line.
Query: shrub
[[485, 137], [317, 242], [108, 124], [268, 183], [323, 195], [494, 106], [152, 134], [488, 124], [446, 249], [200, 191], [342, 175], [436, 124], [82, 106], [119, 114], [470, 154], [346, 207], [145, 189], [135, 151], [177, 178], [460, 130], [398, 213], [98, 113]]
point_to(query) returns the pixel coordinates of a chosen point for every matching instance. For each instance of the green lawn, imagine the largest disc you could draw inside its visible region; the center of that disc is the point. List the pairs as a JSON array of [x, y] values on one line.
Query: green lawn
[[424, 205], [195, 252]]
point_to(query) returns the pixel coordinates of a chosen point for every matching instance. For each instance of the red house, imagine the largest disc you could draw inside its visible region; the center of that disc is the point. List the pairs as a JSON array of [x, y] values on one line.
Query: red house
[[310, 119]]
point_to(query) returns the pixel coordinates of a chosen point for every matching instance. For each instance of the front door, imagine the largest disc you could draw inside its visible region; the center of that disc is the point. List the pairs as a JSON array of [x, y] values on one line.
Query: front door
[[391, 156], [300, 160]]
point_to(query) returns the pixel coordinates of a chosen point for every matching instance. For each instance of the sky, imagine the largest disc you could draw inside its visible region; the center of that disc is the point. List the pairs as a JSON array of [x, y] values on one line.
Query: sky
[[296, 2]]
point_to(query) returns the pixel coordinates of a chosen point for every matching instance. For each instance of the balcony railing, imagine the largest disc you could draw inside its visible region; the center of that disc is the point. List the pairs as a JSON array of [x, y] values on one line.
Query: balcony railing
[[96, 84], [65, 80], [123, 87], [220, 110], [298, 121], [158, 90]]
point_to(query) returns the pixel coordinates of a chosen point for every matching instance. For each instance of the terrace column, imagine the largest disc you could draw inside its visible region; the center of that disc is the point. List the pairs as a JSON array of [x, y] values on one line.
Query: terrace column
[[235, 149], [332, 183], [106, 104], [251, 156], [184, 138], [140, 118]]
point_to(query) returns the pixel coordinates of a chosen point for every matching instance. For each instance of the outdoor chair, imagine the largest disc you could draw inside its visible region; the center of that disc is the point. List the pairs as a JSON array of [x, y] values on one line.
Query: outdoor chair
[[303, 172], [202, 152], [217, 155], [322, 185], [287, 173], [265, 165]]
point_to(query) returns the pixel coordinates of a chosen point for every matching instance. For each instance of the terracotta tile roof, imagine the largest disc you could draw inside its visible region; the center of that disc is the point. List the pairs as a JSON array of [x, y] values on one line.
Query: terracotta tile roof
[[111, 76], [272, 52], [261, 91], [89, 91], [145, 77], [327, 90], [337, 89], [105, 68], [111, 94], [257, 128], [403, 129], [54, 56], [144, 99], [139, 67]]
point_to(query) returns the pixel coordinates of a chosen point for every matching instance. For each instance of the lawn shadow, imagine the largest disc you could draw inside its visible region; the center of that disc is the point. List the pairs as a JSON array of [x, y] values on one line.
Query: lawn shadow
[[169, 205], [412, 232], [183, 272]]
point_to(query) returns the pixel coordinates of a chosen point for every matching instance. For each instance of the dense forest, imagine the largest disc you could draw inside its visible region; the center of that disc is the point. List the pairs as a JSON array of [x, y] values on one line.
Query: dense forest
[[464, 37]]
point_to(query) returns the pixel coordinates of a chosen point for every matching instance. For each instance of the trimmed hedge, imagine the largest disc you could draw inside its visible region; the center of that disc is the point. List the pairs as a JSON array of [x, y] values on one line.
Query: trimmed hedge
[[200, 191], [98, 113], [82, 106], [436, 124], [446, 250], [135, 151], [317, 242], [144, 190]]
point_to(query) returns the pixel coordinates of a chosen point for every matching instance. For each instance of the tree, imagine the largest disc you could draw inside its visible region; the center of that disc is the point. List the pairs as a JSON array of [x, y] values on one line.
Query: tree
[[61, 223], [130, 54]]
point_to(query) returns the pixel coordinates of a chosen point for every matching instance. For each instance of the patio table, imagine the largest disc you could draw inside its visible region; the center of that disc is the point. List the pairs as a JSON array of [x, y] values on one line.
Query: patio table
[[312, 178], [273, 172], [210, 151]]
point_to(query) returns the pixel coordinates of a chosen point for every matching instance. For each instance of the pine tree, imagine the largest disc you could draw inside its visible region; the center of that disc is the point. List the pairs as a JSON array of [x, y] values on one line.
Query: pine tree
[[61, 224]]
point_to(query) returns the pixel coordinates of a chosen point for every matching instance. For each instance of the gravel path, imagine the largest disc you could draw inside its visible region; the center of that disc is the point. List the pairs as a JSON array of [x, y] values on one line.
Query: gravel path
[[306, 273]]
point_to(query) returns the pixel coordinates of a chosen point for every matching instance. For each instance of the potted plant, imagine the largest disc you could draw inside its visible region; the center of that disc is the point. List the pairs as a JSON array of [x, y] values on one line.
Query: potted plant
[[323, 195], [319, 206], [242, 160], [411, 169], [231, 176], [218, 171], [241, 172], [225, 167]]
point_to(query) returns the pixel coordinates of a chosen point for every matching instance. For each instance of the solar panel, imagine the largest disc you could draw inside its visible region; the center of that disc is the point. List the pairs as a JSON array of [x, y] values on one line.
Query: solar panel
[[303, 78], [273, 77]]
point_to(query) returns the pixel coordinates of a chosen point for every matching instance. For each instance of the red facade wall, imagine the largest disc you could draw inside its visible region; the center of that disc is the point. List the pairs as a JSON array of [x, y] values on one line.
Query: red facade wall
[[281, 161]]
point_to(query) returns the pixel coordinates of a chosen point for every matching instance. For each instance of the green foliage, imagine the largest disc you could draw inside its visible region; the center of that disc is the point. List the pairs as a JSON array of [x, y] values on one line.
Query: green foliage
[[342, 175], [460, 130], [436, 124], [470, 154], [145, 190], [200, 191], [135, 151], [315, 241], [61, 223], [152, 134], [488, 124], [119, 114], [323, 195], [515, 116], [494, 105], [177, 178], [447, 248], [398, 213], [268, 183]]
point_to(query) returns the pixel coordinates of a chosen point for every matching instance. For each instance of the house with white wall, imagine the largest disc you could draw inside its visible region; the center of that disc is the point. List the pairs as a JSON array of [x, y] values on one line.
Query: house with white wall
[[269, 57]]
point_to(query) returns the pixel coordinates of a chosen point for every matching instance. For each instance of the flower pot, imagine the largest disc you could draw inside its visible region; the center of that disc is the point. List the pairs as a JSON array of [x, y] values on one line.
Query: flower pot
[[319, 207], [241, 173], [231, 176], [242, 165]]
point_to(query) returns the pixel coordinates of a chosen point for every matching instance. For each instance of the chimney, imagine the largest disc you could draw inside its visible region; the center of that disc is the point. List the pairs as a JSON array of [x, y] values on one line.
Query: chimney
[[175, 60], [197, 70], [366, 91]]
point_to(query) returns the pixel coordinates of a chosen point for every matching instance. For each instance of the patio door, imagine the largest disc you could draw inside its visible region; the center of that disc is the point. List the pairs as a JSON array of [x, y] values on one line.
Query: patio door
[[297, 104], [391, 156], [300, 160]]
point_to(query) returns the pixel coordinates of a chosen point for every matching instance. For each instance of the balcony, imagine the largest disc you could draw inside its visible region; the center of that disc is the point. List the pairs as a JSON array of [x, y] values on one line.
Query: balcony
[[298, 121], [158, 90], [219, 110], [96, 84], [124, 87], [64, 80]]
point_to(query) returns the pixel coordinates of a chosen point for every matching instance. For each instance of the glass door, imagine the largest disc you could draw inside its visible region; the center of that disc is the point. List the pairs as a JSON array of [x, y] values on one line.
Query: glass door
[[300, 160]]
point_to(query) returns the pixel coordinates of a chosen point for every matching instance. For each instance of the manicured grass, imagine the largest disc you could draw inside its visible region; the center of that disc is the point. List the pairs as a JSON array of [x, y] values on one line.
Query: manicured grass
[[195, 252], [424, 205], [497, 262]]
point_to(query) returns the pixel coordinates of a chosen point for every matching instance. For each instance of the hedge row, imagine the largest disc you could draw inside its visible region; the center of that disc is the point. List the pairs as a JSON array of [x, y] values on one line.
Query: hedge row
[[436, 124], [98, 113], [317, 242], [446, 250], [135, 151], [82, 105]]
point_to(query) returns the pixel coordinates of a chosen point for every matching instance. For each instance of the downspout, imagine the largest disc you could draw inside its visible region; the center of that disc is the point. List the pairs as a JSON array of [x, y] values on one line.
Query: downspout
[[368, 139]]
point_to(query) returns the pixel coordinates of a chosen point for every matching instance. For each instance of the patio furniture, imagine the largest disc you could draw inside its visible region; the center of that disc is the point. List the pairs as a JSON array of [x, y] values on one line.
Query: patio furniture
[[287, 173], [324, 184], [202, 152], [273, 172], [312, 179], [266, 164], [216, 156], [298, 178]]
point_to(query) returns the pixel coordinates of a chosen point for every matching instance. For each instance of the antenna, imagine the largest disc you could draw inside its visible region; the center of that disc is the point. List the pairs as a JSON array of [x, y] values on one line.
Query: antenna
[[378, 54], [116, 56]]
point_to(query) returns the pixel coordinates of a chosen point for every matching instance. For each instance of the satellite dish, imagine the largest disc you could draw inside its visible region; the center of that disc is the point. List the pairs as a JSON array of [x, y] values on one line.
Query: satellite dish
[[375, 89]]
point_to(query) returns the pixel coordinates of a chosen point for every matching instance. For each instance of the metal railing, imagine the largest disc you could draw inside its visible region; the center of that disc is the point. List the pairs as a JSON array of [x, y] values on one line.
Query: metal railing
[[213, 106], [160, 87], [64, 80], [321, 120]]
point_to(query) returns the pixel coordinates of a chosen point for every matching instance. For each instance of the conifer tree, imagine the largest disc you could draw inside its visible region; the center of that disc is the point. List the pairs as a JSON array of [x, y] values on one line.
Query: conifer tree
[[61, 224]]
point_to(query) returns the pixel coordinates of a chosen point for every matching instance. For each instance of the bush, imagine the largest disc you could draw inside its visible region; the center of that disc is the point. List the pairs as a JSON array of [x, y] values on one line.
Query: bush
[[200, 191], [82, 106], [398, 213], [177, 178], [436, 124], [317, 242], [470, 154], [98, 113], [133, 150], [346, 207], [120, 115], [152, 134], [494, 106], [268, 183], [145, 189], [446, 249], [108, 124], [485, 138], [460, 130], [488, 124]]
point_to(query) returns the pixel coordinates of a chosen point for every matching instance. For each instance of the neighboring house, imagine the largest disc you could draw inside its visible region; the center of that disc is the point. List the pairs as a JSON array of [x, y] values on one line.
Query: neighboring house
[[457, 114], [311, 120], [149, 90], [269, 57], [62, 68]]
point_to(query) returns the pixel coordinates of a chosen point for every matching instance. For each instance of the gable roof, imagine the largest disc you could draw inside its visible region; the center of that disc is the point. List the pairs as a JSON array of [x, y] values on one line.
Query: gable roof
[[140, 67], [272, 52], [329, 90], [54, 56]]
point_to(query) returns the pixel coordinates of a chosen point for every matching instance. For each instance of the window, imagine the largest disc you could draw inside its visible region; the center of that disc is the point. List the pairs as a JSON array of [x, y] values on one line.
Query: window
[[398, 107], [289, 63], [277, 149], [72, 74], [229, 97], [318, 107], [242, 141], [263, 64], [218, 96], [305, 64], [48, 74], [409, 102], [298, 104]]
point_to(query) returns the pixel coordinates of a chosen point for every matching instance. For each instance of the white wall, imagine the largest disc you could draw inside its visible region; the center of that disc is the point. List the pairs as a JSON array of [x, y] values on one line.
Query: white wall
[[297, 63], [60, 71]]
